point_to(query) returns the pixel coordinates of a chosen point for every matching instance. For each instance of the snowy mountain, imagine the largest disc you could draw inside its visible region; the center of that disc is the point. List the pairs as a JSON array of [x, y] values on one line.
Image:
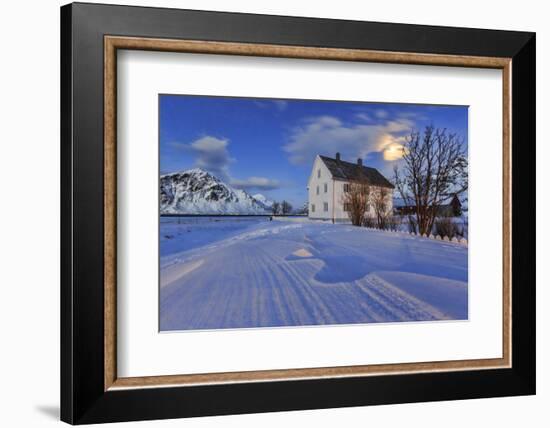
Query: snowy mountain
[[266, 203], [196, 191]]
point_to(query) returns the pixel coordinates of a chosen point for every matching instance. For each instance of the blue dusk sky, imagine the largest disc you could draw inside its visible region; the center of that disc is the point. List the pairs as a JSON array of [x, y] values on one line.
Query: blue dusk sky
[[268, 146]]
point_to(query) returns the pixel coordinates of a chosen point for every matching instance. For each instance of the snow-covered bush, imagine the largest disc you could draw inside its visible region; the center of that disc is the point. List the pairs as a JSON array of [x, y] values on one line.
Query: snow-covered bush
[[394, 223], [412, 224], [445, 226], [369, 221]]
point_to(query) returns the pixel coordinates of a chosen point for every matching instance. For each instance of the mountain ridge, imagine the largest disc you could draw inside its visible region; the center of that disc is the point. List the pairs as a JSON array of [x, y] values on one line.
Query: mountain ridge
[[196, 191]]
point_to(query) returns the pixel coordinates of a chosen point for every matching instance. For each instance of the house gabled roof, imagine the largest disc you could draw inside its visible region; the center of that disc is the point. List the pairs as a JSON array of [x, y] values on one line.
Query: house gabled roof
[[351, 171], [450, 199]]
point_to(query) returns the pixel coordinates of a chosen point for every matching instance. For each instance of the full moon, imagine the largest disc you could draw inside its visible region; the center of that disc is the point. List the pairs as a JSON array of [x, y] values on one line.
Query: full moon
[[393, 152]]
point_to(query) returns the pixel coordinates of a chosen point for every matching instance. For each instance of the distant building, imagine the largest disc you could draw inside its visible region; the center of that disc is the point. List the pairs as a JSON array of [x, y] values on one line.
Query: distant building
[[330, 179], [451, 207]]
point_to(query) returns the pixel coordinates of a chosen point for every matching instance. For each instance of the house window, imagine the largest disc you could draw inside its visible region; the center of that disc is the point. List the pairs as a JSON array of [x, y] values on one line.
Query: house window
[[326, 187], [346, 187], [318, 173], [325, 206], [312, 208], [347, 206], [317, 189]]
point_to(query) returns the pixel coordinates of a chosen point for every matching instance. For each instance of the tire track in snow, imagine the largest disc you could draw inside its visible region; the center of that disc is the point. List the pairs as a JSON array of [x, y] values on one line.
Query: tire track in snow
[[397, 304]]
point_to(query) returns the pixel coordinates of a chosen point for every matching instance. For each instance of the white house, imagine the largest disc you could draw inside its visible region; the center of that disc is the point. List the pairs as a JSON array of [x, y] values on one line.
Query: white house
[[330, 179]]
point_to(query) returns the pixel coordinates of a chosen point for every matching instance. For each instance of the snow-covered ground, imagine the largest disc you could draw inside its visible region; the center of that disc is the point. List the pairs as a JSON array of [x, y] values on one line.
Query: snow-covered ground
[[235, 272]]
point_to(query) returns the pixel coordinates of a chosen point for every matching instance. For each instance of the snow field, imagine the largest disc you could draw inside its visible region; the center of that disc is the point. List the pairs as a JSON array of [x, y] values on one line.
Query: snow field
[[237, 273]]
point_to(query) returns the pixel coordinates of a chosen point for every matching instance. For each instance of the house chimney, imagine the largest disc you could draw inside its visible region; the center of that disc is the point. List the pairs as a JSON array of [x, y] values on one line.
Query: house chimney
[[338, 156], [359, 161]]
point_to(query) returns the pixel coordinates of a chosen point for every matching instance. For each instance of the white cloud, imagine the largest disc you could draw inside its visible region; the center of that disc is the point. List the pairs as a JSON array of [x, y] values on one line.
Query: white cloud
[[210, 154], [327, 135], [381, 113], [280, 104], [255, 183], [364, 116]]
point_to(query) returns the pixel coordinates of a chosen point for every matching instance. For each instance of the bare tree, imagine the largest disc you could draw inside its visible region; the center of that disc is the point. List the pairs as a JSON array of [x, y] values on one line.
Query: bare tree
[[356, 200], [286, 207], [275, 208], [379, 201], [304, 210], [434, 166]]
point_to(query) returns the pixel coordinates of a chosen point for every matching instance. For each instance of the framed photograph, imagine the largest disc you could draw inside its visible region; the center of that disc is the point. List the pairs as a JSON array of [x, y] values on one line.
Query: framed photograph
[[266, 213]]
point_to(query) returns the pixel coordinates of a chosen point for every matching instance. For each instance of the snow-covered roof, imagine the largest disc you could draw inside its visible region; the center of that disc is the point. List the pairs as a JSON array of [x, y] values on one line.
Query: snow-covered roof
[[351, 171]]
